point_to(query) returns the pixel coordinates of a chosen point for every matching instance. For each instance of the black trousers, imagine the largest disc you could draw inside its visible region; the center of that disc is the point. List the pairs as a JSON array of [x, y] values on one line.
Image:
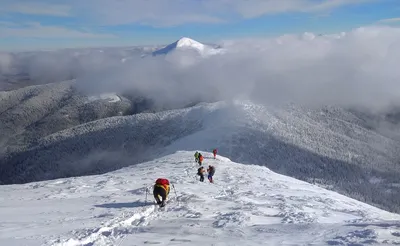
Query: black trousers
[[158, 191]]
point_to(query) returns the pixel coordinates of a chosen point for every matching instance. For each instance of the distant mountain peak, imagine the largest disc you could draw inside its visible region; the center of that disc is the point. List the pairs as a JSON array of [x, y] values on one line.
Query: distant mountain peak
[[182, 43], [188, 42]]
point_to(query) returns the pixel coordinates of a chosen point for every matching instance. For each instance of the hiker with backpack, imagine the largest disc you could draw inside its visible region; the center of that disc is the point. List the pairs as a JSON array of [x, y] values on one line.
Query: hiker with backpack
[[161, 190], [211, 171], [201, 172], [196, 157], [201, 158], [215, 153]]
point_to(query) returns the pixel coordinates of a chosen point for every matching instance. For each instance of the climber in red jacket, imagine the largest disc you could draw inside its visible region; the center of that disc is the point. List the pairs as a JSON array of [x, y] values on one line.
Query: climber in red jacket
[[215, 153]]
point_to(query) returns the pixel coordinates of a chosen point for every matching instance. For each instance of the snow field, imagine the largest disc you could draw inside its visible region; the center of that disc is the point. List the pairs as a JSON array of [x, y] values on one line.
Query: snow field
[[247, 205]]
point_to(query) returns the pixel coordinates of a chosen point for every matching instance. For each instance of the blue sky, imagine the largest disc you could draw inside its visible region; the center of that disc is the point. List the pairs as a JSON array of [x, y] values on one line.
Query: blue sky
[[42, 24]]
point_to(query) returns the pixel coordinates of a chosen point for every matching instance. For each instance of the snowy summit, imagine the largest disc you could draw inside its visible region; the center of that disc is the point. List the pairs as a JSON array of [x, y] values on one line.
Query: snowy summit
[[190, 43], [245, 205], [185, 44]]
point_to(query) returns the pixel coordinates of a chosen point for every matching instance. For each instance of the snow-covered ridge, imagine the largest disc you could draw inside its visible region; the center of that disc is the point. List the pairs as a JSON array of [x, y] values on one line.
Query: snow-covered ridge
[[246, 205], [32, 112], [330, 147]]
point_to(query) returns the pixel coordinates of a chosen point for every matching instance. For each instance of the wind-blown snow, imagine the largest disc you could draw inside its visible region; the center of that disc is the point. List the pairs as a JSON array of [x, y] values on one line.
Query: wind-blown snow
[[247, 205]]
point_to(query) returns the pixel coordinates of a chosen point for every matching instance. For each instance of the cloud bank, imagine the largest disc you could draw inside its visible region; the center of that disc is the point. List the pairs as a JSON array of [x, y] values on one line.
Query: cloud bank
[[5, 63], [355, 69]]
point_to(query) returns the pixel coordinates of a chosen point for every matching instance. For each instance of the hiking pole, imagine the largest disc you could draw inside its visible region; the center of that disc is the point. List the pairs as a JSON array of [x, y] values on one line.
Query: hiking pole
[[173, 186]]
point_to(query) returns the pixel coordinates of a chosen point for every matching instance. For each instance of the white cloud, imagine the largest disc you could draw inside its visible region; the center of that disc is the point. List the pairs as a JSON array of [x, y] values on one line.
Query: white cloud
[[36, 30], [390, 20], [151, 12], [5, 62], [256, 8], [175, 12], [36, 8], [169, 12], [358, 68], [313, 6]]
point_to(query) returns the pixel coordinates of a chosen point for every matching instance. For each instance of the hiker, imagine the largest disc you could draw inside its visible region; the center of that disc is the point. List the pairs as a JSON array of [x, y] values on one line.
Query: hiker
[[215, 153], [200, 159], [201, 172], [196, 156], [211, 171], [161, 189]]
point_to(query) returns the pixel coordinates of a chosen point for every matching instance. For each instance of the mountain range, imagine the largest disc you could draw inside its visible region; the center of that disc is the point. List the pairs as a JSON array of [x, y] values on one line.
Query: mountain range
[[54, 130]]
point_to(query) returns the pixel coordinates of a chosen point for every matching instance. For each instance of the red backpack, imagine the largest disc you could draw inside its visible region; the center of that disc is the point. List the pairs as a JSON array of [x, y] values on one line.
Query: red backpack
[[162, 181]]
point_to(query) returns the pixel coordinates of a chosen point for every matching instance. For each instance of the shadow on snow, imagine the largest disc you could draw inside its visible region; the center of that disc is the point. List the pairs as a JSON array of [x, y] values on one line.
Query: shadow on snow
[[123, 205]]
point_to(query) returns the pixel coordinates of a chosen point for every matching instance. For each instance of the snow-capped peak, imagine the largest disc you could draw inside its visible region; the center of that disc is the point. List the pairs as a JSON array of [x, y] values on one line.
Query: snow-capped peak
[[190, 43], [185, 43]]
